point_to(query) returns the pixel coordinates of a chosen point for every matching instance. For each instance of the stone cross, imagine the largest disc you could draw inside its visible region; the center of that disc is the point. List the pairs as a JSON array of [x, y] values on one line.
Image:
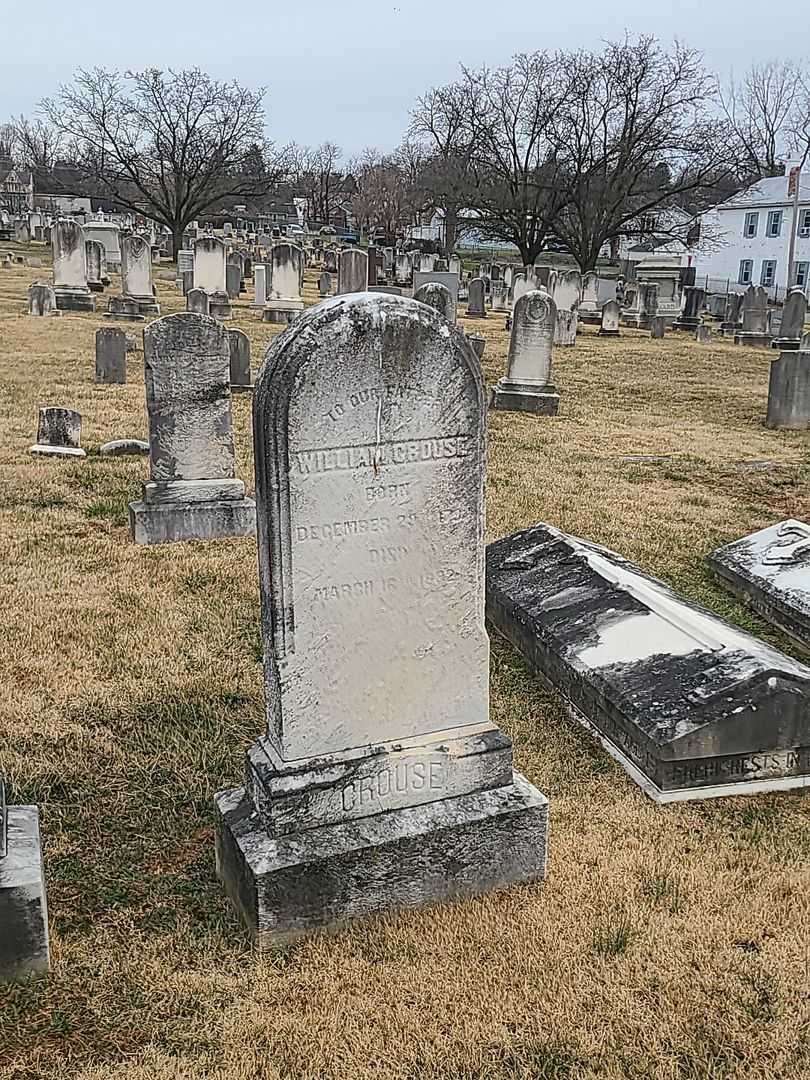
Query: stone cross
[[369, 441], [352, 271], [476, 299], [192, 492], [111, 355], [527, 385], [437, 296], [59, 433]]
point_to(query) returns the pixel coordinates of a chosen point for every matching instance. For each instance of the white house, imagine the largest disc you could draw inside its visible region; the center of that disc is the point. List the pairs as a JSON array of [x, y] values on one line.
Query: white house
[[747, 238]]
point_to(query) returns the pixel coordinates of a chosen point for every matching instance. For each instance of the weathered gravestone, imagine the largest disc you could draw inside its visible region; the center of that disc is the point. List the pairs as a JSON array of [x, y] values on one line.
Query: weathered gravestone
[[565, 289], [59, 433], [588, 310], [527, 385], [41, 299], [381, 781], [792, 326], [210, 256], [449, 281], [691, 310], [197, 302], [611, 316], [325, 284], [352, 271], [124, 448], [476, 299], [478, 343], [286, 267], [96, 265], [703, 334], [500, 296], [689, 705], [233, 277], [438, 297], [565, 328], [643, 307], [24, 949], [111, 355], [136, 273], [770, 571], [789, 391], [70, 266], [239, 350], [731, 322], [124, 309], [193, 492], [754, 318], [657, 327], [259, 285]]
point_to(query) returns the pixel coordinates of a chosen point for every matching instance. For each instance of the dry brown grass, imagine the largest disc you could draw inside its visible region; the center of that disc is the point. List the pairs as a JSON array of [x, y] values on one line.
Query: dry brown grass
[[666, 942]]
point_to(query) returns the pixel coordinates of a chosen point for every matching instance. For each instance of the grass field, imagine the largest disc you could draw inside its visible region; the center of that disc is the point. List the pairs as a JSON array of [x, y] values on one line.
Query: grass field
[[666, 943]]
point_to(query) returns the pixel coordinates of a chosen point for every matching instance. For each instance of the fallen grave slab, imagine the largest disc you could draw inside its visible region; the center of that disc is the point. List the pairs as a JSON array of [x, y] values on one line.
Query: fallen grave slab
[[690, 706], [770, 570]]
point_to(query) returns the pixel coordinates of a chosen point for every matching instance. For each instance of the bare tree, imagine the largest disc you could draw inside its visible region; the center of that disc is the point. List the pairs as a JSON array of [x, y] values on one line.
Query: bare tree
[[317, 176], [39, 145], [761, 110], [383, 200], [170, 145], [636, 135]]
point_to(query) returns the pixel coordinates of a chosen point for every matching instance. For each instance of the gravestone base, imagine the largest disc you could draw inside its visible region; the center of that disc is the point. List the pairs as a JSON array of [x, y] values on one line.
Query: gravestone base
[[167, 523], [636, 322], [590, 318], [287, 886], [282, 311], [44, 450], [520, 397], [686, 324], [23, 907], [760, 341], [147, 305], [73, 299], [241, 388], [608, 333], [786, 344], [219, 305], [95, 286]]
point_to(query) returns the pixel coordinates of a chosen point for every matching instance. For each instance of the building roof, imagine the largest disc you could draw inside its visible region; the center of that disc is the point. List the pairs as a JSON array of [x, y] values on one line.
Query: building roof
[[772, 191]]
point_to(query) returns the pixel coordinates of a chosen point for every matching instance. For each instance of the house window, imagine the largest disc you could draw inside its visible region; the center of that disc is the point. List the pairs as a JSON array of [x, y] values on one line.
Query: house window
[[768, 275], [774, 223], [751, 224], [804, 223], [746, 270], [802, 272]]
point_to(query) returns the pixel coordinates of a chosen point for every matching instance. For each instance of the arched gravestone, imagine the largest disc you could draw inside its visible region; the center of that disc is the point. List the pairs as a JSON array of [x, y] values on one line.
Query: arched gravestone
[[380, 782]]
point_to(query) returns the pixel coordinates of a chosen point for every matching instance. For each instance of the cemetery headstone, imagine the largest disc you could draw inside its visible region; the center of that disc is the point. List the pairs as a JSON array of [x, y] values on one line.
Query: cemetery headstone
[[111, 355], [239, 350], [325, 284], [59, 433], [689, 705], [284, 301], [124, 448], [259, 285], [476, 299], [136, 273], [703, 334], [691, 312], [437, 296], [611, 315], [209, 264], [657, 326], [124, 309], [380, 782], [70, 266], [197, 302], [233, 278], [41, 299], [770, 571], [527, 385], [565, 331], [352, 271], [792, 325], [589, 311], [789, 391], [96, 265], [731, 323], [24, 947], [567, 290], [643, 308], [754, 312], [478, 343], [192, 492]]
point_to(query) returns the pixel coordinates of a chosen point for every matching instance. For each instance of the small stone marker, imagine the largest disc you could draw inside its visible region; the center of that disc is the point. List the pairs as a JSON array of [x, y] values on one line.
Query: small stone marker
[[731, 322], [611, 316], [352, 271], [689, 705], [124, 309], [197, 302], [59, 433], [239, 350], [691, 311], [111, 355], [325, 284], [657, 326], [770, 570], [41, 299], [193, 492], [527, 385], [233, 279], [478, 343], [24, 948], [259, 285], [124, 447], [789, 391], [500, 296], [438, 297], [476, 299], [381, 782], [703, 334]]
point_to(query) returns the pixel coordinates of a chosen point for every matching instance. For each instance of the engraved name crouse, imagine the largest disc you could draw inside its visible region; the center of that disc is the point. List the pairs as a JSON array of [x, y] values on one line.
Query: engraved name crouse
[[370, 443]]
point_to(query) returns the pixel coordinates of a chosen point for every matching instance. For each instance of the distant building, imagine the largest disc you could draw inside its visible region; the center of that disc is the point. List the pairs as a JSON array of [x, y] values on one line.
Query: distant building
[[16, 188], [750, 237], [663, 231]]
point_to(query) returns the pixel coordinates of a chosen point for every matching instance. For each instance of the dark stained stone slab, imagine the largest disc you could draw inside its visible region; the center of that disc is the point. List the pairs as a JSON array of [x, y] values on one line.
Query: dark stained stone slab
[[691, 706], [770, 570], [23, 909]]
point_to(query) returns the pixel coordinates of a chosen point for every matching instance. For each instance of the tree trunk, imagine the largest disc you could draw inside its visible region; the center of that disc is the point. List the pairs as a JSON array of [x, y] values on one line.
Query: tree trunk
[[450, 229], [177, 240]]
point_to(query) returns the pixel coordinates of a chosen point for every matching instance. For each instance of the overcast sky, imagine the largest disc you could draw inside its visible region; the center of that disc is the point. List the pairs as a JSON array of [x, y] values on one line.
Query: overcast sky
[[348, 70]]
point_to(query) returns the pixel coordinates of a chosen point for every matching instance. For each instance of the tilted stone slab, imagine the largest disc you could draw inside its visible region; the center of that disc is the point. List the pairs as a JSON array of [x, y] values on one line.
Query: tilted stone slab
[[689, 705], [770, 570], [23, 908]]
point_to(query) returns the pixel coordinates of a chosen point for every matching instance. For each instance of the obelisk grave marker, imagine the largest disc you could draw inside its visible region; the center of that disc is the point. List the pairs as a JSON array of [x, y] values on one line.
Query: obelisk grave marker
[[380, 782]]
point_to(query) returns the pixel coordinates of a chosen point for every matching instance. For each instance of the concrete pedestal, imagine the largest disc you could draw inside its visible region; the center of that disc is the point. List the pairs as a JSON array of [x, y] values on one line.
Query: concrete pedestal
[[520, 397], [23, 906], [291, 885], [68, 299], [165, 523], [761, 341]]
